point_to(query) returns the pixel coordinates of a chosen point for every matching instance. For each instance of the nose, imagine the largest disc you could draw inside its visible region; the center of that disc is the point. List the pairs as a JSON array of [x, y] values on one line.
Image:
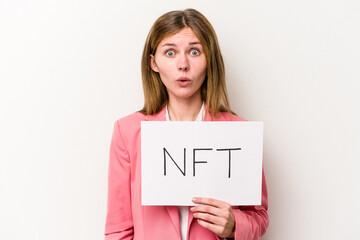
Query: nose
[[183, 63]]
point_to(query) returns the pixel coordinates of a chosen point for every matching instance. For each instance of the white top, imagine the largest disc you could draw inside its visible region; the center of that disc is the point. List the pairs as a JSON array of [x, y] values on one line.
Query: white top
[[184, 210]]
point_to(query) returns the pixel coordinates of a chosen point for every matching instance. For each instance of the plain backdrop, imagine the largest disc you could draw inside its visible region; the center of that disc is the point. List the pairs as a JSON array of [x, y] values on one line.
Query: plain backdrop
[[70, 68]]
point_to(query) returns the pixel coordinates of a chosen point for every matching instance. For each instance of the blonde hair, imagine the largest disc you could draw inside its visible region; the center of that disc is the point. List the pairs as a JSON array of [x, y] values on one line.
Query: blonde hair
[[213, 89]]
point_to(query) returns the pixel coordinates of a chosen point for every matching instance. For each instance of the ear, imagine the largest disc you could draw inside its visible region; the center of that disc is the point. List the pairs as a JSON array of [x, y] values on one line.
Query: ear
[[153, 65]]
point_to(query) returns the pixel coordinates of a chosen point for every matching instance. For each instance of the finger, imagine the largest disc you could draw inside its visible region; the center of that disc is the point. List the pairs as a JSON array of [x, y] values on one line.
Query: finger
[[210, 201], [222, 230], [210, 218], [223, 209], [208, 209], [212, 227]]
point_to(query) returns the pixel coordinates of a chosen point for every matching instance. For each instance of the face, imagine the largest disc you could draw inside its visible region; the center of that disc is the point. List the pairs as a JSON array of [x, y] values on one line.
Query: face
[[181, 64]]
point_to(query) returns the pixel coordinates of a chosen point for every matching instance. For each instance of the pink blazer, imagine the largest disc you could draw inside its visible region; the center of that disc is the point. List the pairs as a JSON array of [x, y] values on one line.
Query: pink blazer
[[127, 219]]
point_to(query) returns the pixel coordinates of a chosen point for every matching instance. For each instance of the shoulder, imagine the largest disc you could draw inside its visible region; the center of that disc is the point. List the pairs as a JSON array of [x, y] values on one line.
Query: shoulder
[[226, 116], [132, 119], [129, 126]]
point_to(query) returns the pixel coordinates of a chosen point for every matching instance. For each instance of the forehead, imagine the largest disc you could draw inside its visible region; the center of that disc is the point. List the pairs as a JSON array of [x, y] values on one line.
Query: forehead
[[185, 35]]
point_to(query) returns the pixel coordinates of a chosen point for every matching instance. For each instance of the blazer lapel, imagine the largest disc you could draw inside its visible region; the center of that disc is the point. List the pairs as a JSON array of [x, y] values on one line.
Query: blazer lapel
[[174, 215], [190, 219]]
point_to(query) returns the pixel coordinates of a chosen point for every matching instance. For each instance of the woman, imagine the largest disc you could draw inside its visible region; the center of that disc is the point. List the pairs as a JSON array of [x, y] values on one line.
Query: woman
[[184, 80]]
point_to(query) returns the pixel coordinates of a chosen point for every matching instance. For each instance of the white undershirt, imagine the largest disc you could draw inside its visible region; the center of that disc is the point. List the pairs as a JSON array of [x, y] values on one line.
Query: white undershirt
[[184, 210]]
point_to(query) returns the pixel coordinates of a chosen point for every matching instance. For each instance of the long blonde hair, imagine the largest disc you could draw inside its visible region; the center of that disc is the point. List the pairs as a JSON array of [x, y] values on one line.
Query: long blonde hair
[[213, 89]]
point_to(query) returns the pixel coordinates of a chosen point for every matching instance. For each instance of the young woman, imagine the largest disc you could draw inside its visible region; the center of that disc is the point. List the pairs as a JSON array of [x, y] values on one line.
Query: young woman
[[184, 80]]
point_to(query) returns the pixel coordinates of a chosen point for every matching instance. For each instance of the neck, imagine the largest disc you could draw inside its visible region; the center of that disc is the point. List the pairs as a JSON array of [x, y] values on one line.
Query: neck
[[184, 110]]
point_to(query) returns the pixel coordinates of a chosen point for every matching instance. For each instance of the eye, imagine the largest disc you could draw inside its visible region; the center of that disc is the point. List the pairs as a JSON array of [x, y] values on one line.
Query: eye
[[194, 52], [170, 53]]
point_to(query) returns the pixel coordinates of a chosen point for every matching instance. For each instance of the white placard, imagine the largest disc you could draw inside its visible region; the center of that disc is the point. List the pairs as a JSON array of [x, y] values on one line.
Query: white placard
[[182, 160]]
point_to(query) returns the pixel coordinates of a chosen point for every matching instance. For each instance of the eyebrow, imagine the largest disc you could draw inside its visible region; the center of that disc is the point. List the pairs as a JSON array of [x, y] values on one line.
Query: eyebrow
[[174, 45]]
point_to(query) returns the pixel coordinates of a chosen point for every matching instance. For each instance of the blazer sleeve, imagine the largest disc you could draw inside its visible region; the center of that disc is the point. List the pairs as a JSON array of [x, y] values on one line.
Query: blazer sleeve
[[251, 222], [119, 222]]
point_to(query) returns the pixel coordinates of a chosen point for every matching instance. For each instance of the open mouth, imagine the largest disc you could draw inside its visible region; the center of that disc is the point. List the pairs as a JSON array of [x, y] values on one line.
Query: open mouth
[[184, 82], [183, 79]]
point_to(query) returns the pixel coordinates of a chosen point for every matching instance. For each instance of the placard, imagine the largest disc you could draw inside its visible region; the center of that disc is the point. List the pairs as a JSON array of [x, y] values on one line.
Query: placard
[[181, 160]]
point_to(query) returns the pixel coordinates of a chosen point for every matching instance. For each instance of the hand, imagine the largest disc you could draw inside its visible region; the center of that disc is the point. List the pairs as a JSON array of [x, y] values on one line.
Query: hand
[[215, 215]]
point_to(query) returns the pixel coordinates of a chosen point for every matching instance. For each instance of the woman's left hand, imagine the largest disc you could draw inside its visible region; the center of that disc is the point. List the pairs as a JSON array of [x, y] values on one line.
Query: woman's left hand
[[215, 215]]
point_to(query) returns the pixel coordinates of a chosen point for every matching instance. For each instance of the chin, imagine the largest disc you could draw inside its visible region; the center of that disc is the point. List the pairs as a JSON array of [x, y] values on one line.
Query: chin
[[185, 96]]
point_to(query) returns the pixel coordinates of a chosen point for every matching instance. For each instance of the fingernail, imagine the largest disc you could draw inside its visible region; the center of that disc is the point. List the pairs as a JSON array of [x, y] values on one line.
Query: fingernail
[[194, 199]]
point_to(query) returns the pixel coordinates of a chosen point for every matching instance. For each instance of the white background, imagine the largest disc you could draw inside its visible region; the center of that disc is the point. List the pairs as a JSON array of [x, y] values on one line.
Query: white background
[[70, 68]]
